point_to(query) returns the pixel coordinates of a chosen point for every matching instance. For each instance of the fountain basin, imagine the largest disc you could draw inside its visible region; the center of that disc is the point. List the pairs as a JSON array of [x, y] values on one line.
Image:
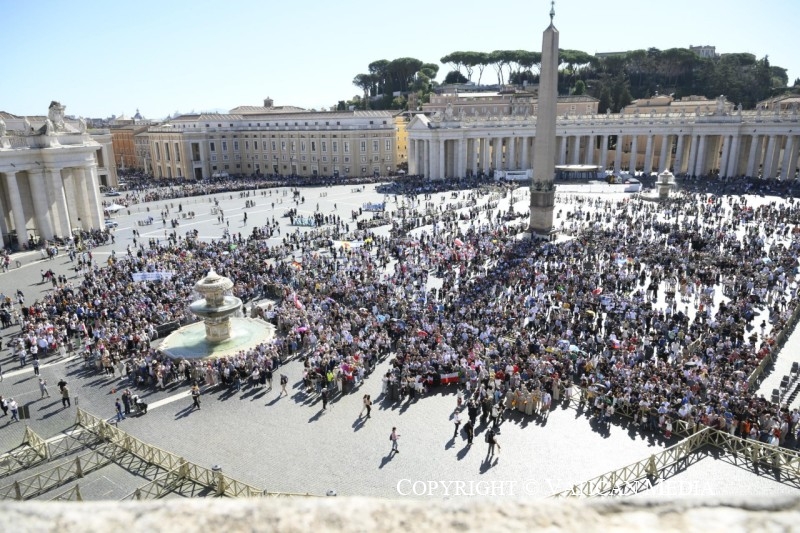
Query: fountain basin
[[190, 342]]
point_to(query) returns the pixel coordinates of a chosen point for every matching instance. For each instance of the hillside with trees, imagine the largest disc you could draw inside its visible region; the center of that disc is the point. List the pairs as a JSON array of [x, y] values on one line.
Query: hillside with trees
[[615, 80]]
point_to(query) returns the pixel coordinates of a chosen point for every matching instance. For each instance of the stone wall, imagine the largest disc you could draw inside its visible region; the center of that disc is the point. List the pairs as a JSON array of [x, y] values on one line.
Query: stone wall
[[363, 514]]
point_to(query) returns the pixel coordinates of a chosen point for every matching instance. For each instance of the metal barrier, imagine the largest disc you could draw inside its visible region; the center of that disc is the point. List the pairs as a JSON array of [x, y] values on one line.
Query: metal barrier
[[56, 476], [628, 479], [643, 474], [178, 470], [71, 495]]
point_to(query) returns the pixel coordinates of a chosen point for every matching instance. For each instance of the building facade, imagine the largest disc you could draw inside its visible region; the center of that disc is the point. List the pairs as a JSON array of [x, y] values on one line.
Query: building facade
[[274, 141], [708, 140], [50, 173]]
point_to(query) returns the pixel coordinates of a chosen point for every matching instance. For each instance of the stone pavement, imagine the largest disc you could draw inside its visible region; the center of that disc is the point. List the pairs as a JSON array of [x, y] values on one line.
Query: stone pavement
[[289, 444]]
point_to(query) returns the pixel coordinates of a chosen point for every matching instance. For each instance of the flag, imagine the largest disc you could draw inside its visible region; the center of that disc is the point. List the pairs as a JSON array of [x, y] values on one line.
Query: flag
[[449, 378], [459, 242], [298, 265]]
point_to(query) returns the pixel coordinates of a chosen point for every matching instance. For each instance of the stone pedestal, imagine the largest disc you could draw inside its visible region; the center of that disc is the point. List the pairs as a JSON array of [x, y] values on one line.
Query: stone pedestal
[[542, 204]]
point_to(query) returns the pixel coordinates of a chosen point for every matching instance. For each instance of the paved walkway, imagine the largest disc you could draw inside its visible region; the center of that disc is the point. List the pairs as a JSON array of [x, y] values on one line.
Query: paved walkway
[[289, 443]]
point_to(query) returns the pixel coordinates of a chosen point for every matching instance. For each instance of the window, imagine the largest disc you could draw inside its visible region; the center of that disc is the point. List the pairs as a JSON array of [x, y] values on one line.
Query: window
[[363, 146], [166, 152], [375, 158], [303, 146], [324, 146], [363, 159], [335, 146], [235, 146], [247, 145], [224, 157], [346, 159], [283, 146], [177, 152], [313, 146], [388, 145], [224, 146], [375, 145], [292, 146], [213, 147], [213, 157], [324, 158], [255, 145], [273, 146], [347, 147], [363, 170]]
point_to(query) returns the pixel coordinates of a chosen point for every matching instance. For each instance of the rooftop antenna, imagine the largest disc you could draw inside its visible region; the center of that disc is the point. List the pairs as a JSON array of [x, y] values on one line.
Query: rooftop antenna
[[552, 10]]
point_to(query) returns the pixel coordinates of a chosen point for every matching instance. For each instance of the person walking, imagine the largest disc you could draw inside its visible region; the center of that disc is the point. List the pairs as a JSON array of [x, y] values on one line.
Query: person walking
[[284, 382], [470, 430], [393, 437], [65, 402], [43, 388], [491, 441], [126, 401], [120, 414], [457, 422], [195, 396], [367, 405], [324, 395], [14, 407]]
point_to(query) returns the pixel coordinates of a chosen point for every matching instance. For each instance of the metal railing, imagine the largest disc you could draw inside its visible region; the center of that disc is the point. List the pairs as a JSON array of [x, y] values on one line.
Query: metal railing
[[644, 474], [71, 495], [178, 470], [56, 476], [627, 479]]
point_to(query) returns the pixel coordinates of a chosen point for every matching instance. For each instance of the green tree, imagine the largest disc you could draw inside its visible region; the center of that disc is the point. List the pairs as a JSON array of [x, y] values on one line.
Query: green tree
[[580, 88], [455, 76]]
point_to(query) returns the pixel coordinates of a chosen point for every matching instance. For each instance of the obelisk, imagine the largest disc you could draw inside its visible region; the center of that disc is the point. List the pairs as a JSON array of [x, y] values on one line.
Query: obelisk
[[544, 148]]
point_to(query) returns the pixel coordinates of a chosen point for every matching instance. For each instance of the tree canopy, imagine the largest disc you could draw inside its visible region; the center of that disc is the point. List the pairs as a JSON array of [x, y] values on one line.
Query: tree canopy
[[615, 79]]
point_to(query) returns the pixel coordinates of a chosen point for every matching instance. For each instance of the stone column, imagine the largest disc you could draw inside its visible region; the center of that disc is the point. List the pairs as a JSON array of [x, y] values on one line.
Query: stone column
[[733, 156], [767, 169], [426, 158], [755, 152], [618, 154], [633, 160], [678, 164], [774, 156], [94, 204], [18, 212], [699, 166], [663, 157], [590, 149], [497, 149], [40, 205], [576, 150], [525, 163], [793, 158], [58, 201], [723, 160], [486, 156], [787, 157], [412, 156], [562, 154], [4, 209], [462, 158], [441, 151], [604, 153], [648, 156]]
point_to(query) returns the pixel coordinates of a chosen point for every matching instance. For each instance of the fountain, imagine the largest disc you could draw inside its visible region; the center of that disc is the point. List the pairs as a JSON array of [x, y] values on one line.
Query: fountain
[[665, 183], [221, 333]]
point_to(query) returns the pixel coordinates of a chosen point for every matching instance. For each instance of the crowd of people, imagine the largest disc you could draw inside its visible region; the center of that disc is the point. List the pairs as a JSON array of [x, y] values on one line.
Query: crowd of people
[[662, 310]]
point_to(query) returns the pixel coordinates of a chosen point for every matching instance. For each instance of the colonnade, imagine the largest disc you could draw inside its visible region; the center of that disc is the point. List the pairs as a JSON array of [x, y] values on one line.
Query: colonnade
[[726, 149], [46, 201]]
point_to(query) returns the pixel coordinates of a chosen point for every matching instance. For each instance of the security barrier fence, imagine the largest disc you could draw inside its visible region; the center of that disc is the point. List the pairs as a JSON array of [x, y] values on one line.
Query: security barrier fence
[[178, 471], [647, 473]]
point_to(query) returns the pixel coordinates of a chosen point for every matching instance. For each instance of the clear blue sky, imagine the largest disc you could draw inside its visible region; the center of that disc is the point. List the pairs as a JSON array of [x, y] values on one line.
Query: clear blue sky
[[109, 57]]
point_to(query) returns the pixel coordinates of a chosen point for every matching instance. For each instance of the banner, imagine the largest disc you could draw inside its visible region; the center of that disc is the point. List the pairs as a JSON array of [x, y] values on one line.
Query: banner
[[152, 276], [449, 378]]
